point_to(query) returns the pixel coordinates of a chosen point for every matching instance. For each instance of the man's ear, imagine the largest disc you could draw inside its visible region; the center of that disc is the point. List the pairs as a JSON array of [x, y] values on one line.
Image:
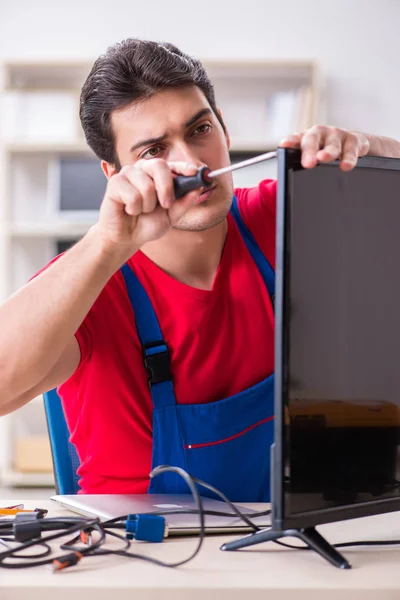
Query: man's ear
[[108, 169], [228, 139]]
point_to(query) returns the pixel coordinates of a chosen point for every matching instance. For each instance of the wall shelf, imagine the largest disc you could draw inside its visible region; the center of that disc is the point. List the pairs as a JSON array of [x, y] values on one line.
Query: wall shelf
[[16, 479], [53, 230], [79, 148]]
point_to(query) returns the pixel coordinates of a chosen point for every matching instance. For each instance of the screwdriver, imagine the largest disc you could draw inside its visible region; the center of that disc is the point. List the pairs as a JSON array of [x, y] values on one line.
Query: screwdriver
[[204, 177]]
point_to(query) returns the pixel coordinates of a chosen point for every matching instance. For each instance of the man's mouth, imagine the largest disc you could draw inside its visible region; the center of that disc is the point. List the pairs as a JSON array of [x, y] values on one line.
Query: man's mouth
[[205, 195]]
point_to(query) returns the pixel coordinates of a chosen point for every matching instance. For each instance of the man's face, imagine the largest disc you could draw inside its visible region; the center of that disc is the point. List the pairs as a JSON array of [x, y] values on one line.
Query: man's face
[[178, 125]]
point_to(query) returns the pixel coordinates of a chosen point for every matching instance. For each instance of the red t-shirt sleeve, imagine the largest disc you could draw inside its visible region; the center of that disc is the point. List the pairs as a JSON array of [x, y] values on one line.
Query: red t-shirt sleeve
[[82, 335], [258, 209]]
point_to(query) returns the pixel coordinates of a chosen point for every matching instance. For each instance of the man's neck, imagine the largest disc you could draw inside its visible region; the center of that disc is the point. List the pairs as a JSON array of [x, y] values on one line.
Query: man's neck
[[189, 257]]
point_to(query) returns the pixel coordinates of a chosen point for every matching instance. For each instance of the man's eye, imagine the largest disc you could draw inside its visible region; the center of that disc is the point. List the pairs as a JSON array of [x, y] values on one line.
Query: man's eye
[[152, 152], [205, 128]]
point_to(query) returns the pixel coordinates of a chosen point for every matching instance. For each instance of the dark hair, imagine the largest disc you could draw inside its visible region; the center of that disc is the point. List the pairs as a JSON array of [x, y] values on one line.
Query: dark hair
[[134, 70]]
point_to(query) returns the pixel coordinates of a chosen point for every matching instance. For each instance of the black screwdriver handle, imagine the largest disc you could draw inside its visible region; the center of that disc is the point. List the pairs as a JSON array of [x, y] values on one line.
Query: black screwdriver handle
[[186, 183]]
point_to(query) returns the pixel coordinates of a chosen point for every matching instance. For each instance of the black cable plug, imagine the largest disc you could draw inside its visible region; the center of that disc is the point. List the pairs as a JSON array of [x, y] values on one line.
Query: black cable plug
[[27, 526], [67, 560]]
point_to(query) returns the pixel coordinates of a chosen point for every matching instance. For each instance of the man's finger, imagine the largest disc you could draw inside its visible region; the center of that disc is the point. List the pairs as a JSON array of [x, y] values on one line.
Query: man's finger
[[331, 150], [161, 174], [364, 145], [310, 145], [147, 189], [291, 141], [350, 153], [120, 190]]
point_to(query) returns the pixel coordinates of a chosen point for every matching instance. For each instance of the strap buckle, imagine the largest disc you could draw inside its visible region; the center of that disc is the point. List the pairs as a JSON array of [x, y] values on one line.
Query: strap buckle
[[156, 361]]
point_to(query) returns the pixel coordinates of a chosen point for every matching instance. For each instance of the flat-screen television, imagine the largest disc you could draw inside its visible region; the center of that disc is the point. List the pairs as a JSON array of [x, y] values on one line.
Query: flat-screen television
[[78, 185], [336, 453], [64, 245], [337, 448]]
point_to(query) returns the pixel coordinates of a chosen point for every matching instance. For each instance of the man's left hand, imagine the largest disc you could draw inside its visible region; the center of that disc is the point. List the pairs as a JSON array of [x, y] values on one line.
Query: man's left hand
[[323, 144]]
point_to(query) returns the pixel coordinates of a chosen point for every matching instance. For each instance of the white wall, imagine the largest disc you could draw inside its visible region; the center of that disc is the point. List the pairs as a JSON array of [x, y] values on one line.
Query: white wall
[[354, 40]]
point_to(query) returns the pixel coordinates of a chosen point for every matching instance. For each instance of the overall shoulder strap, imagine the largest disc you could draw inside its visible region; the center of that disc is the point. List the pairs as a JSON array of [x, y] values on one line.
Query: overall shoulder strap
[[262, 263], [155, 351]]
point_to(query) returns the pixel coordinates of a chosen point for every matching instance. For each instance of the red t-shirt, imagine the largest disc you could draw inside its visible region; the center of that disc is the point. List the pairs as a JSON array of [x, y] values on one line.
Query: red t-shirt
[[220, 343]]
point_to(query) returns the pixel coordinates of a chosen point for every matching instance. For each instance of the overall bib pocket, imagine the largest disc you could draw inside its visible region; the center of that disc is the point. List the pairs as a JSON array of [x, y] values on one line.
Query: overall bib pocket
[[238, 465], [227, 443]]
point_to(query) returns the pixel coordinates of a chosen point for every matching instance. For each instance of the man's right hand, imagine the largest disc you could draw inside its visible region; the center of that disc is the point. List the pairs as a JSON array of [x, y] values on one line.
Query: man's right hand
[[139, 205]]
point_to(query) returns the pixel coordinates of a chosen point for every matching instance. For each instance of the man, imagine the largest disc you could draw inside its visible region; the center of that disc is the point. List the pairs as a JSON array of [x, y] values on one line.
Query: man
[[163, 284]]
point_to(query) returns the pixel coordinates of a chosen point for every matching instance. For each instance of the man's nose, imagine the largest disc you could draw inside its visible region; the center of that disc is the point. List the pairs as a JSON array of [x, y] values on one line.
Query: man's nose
[[184, 153]]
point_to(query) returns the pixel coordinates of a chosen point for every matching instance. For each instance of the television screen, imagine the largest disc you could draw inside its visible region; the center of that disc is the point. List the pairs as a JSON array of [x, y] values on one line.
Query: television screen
[[64, 245], [82, 184], [338, 341]]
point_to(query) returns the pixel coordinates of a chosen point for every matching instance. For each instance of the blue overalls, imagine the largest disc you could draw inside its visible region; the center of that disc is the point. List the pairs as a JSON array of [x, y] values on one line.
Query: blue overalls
[[225, 443]]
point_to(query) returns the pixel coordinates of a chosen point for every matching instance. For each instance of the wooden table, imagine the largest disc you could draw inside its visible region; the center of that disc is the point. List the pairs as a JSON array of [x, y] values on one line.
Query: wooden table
[[264, 572]]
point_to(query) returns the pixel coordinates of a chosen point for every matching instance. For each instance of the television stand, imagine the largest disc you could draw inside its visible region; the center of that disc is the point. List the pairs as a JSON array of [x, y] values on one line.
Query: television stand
[[308, 535]]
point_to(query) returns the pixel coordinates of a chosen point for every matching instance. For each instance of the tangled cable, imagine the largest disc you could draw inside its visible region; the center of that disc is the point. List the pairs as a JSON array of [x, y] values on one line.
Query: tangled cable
[[21, 534]]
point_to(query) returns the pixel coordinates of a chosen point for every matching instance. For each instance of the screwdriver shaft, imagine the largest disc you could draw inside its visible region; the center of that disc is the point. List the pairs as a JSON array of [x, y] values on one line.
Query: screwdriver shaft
[[242, 164], [184, 183]]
